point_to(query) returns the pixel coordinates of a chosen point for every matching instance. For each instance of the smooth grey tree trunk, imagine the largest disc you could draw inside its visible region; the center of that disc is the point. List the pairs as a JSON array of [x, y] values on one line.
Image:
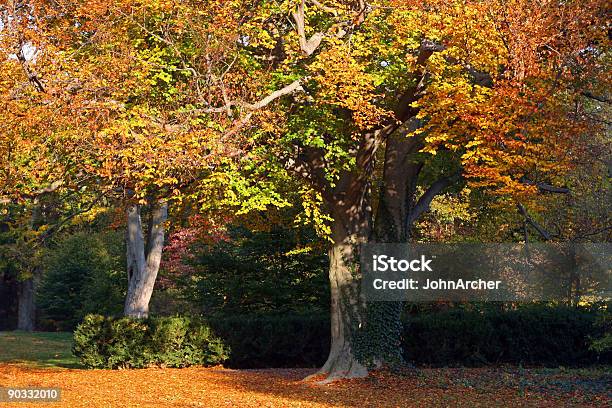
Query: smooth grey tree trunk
[[26, 312], [143, 258]]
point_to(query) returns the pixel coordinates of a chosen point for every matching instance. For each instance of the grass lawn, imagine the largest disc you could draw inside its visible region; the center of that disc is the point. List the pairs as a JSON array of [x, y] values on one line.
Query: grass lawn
[[37, 349], [40, 359]]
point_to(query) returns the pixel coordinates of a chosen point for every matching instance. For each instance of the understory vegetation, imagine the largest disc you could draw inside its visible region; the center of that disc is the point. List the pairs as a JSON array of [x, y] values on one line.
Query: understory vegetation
[[527, 336]]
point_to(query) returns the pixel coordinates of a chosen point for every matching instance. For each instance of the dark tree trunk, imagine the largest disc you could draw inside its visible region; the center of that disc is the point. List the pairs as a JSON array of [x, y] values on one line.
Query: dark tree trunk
[[398, 209], [348, 202], [143, 258], [26, 312], [401, 170], [383, 326]]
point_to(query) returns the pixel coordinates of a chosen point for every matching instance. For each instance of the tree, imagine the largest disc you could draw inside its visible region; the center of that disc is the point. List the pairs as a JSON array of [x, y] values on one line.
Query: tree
[[82, 274], [371, 108], [437, 92], [39, 184], [263, 267], [104, 96]]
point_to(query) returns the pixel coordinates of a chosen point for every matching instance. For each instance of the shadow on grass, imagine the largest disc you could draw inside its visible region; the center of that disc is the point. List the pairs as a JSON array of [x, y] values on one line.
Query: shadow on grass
[[37, 349]]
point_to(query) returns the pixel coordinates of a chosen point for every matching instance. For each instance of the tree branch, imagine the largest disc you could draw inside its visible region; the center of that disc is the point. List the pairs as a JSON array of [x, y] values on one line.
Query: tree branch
[[545, 187], [599, 98], [309, 164], [350, 185], [286, 90], [543, 232], [32, 77], [56, 227], [592, 233], [325, 8], [54, 186], [308, 46], [424, 201]]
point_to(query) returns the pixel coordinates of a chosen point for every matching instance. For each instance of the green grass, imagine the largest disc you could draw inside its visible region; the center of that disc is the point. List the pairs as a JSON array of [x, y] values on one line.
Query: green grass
[[37, 349]]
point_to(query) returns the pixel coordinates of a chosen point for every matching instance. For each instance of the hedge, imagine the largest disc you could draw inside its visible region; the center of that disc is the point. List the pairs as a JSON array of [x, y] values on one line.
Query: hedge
[[274, 341], [101, 342], [530, 336]]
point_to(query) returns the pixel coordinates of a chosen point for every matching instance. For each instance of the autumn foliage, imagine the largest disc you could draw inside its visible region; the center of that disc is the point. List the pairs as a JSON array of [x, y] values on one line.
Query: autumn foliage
[[362, 116]]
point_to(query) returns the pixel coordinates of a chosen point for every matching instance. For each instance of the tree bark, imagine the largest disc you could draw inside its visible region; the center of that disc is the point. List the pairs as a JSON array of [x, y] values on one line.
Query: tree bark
[[398, 208], [26, 306], [347, 305], [397, 194], [143, 259], [26, 303], [349, 206], [396, 199]]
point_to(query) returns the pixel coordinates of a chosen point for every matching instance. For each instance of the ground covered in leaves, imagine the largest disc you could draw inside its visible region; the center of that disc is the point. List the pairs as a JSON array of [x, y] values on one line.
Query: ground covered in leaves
[[218, 387]]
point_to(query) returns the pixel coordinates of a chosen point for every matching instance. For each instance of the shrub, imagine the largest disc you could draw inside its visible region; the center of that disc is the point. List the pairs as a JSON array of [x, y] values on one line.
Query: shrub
[[88, 341], [603, 344], [259, 341], [101, 342], [529, 335], [257, 273], [548, 336]]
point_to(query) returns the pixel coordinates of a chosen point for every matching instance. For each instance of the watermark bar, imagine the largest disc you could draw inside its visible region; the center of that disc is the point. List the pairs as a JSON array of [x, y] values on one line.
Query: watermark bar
[[29, 394], [487, 272]]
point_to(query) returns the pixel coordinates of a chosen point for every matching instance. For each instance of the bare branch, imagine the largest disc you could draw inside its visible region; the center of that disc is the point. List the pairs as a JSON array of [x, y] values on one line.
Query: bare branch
[[309, 164], [592, 233], [339, 30], [541, 230], [325, 8], [599, 98], [308, 46], [50, 188], [56, 227], [32, 76], [286, 90], [545, 187], [292, 87]]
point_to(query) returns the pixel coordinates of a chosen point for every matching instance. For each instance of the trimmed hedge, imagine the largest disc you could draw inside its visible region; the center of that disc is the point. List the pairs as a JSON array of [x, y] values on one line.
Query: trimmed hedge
[[529, 336], [274, 341], [101, 342]]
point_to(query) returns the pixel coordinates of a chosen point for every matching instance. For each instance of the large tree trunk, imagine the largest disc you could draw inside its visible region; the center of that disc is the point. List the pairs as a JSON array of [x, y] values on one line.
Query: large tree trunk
[[26, 306], [397, 194], [143, 259], [347, 306], [383, 326], [349, 205], [398, 209], [350, 209]]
